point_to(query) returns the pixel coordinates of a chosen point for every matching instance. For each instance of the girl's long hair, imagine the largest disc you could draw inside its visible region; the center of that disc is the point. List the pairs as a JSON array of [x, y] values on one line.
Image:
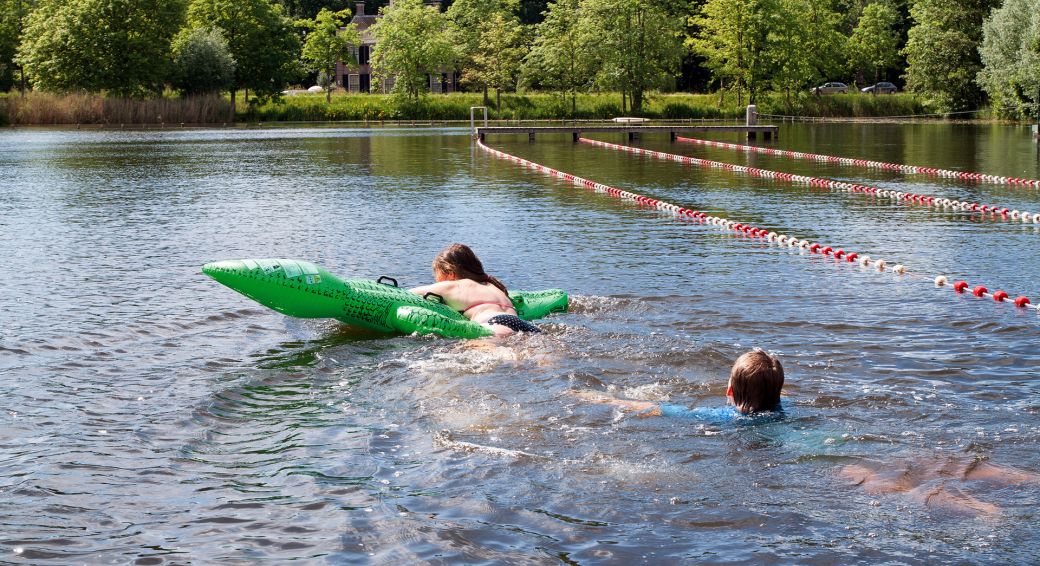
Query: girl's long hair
[[460, 261]]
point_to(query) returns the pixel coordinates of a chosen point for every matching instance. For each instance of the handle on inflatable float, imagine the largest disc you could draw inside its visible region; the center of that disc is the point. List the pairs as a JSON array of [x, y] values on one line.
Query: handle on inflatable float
[[302, 289]]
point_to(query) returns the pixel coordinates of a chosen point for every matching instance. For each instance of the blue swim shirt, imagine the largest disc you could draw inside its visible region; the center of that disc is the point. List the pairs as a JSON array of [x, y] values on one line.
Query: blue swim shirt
[[713, 414]]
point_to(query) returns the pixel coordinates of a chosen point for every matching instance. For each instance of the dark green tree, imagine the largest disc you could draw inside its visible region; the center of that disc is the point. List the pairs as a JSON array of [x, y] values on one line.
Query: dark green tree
[[503, 44], [121, 47], [1011, 58], [804, 45], [13, 15], [942, 51], [328, 42], [261, 40], [558, 59], [874, 45], [412, 41], [202, 62], [532, 12], [469, 26], [637, 43], [308, 9], [733, 38]]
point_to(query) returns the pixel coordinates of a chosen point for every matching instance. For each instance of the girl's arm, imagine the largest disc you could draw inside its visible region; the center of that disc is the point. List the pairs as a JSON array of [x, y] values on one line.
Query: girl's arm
[[438, 288]]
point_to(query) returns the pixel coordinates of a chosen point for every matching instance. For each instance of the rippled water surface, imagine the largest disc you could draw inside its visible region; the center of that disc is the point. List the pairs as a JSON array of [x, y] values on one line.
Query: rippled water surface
[[152, 416]]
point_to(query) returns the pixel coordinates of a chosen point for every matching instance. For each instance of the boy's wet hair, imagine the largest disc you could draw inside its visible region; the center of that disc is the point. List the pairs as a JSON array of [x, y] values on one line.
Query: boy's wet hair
[[756, 379]]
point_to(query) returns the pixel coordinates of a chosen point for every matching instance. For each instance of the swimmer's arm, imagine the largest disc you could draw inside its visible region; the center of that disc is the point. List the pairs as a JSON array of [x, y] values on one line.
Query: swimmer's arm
[[438, 288], [645, 408]]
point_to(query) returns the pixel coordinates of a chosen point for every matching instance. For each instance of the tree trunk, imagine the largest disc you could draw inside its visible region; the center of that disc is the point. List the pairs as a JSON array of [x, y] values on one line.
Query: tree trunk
[[624, 102], [637, 101], [498, 101], [487, 101], [574, 105], [234, 94]]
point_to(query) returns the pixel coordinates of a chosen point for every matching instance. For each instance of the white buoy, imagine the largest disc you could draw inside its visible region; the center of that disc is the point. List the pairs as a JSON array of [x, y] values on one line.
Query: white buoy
[[940, 281]]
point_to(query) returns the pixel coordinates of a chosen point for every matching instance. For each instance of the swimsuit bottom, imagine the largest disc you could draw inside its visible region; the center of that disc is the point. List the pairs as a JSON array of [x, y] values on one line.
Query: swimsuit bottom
[[513, 322]]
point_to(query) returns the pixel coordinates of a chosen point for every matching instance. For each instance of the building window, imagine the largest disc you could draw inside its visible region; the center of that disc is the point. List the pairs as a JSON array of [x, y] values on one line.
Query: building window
[[366, 82], [353, 83], [362, 55]]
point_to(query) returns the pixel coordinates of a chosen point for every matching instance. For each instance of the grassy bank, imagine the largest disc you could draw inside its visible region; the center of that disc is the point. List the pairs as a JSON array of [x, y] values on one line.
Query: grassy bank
[[37, 109], [48, 109], [540, 106]]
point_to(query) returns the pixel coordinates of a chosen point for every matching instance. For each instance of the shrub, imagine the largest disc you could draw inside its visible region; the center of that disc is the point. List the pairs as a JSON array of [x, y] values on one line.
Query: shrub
[[202, 62]]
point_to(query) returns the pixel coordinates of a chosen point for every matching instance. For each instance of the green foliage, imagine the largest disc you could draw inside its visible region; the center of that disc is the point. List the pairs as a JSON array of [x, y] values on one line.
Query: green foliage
[[801, 27], [117, 46], [12, 13], [308, 9], [1011, 58], [550, 106], [637, 44], [327, 44], [558, 59], [732, 38], [202, 62], [261, 40], [502, 48], [411, 41], [874, 45], [942, 51], [477, 27]]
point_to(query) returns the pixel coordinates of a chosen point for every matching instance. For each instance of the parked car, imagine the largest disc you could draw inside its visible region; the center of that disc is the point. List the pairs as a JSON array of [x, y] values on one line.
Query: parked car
[[830, 88], [880, 88]]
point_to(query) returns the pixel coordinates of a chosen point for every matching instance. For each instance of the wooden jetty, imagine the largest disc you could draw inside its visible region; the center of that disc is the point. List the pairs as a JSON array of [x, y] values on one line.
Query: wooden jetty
[[633, 131]]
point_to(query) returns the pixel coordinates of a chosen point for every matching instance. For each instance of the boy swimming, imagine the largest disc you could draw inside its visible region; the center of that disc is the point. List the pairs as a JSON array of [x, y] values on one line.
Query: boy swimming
[[755, 381]]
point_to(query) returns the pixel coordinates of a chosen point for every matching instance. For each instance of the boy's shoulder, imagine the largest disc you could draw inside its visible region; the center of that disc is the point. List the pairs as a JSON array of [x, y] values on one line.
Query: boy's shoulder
[[723, 414]]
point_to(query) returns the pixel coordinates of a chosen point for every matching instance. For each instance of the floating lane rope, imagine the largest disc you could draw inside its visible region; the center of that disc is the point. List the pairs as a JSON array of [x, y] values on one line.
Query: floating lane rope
[[899, 196], [746, 229], [963, 175]]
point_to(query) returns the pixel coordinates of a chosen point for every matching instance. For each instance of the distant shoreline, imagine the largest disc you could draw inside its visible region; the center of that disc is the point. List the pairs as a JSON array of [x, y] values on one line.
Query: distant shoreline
[[366, 110]]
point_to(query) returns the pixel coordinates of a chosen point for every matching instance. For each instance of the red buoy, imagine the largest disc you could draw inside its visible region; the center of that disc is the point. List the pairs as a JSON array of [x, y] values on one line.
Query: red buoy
[[979, 291], [999, 296], [960, 286]]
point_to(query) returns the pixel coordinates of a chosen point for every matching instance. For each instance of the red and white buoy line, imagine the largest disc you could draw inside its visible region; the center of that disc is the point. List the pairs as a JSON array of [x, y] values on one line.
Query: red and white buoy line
[[963, 175], [752, 231], [1002, 213]]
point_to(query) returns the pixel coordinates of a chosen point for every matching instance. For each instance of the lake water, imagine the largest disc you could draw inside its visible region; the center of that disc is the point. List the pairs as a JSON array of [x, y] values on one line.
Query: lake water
[[152, 416]]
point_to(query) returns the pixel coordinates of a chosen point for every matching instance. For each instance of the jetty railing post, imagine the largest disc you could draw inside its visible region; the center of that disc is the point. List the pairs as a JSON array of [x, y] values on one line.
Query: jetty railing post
[[472, 125], [752, 120], [1036, 128]]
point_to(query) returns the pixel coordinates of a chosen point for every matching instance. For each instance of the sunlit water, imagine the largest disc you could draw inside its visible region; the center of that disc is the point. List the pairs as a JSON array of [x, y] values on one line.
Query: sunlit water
[[152, 416]]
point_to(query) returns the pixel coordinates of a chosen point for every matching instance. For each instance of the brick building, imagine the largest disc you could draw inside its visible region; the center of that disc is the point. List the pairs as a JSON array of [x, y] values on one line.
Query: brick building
[[358, 78]]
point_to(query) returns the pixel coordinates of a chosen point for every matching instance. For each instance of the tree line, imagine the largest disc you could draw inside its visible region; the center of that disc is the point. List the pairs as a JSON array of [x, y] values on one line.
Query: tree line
[[956, 53]]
